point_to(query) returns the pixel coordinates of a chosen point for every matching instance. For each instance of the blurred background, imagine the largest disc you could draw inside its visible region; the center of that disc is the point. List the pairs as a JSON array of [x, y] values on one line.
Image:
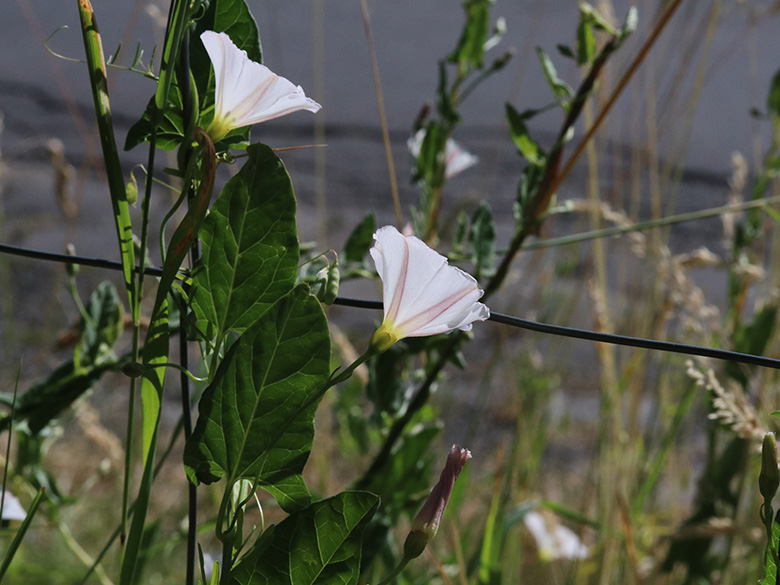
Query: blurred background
[[689, 133]]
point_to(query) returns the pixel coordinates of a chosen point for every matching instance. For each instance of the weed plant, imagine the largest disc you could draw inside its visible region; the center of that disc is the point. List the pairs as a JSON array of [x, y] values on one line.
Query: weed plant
[[314, 444]]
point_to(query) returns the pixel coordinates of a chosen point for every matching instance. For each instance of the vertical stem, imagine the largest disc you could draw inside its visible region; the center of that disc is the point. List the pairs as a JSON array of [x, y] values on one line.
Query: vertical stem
[[97, 77], [192, 492]]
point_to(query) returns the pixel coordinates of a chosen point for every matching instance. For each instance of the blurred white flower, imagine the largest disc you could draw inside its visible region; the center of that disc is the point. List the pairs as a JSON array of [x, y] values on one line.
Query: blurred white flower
[[554, 540], [12, 509], [423, 295], [456, 158], [247, 92]]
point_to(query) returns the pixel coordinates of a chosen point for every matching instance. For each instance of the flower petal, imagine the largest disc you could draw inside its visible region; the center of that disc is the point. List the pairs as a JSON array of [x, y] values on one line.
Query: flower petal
[[247, 92], [423, 294], [456, 158]]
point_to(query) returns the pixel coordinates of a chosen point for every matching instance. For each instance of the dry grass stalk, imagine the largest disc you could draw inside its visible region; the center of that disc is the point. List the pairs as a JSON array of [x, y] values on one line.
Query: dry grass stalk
[[731, 407]]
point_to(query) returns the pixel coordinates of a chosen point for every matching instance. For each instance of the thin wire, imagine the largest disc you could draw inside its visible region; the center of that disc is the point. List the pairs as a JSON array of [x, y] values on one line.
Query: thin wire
[[67, 259], [720, 354]]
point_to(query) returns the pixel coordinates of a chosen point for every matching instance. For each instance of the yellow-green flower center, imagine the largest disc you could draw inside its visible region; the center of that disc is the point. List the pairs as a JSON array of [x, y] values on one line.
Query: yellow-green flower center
[[219, 128], [384, 338]]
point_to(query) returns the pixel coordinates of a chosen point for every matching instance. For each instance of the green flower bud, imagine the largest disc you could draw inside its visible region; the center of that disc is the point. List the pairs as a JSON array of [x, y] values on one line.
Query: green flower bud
[[769, 478], [133, 369]]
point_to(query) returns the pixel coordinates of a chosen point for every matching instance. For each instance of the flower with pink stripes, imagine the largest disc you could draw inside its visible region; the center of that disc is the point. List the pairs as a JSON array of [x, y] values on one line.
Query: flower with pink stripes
[[247, 92], [423, 294]]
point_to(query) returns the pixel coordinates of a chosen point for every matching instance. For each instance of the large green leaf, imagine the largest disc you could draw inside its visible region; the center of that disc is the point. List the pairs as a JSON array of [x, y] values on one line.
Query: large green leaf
[[319, 545], [250, 246], [770, 555], [256, 419]]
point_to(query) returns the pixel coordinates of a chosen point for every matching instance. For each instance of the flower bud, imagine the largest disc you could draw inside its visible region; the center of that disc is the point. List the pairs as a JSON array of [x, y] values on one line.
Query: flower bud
[[426, 523], [769, 478], [133, 369]]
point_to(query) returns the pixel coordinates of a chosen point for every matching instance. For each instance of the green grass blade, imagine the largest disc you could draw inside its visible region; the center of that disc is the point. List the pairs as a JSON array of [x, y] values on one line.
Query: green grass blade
[[17, 541]]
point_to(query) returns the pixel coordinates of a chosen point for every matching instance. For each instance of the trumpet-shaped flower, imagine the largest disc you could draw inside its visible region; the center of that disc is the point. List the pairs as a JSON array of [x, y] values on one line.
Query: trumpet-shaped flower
[[426, 524], [456, 158], [423, 294], [247, 92]]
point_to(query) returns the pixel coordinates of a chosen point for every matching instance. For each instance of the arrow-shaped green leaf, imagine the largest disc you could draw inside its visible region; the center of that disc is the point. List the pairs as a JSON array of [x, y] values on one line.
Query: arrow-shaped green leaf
[[250, 246], [256, 419], [318, 545]]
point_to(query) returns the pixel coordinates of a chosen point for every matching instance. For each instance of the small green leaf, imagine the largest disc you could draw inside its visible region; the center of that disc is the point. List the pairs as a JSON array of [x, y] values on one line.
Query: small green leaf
[[483, 241], [256, 418], [320, 544], [460, 241], [250, 247], [527, 147], [566, 51], [170, 131], [444, 104], [326, 283], [527, 187], [595, 20], [430, 162], [101, 330], [561, 90], [471, 46], [586, 42], [360, 240]]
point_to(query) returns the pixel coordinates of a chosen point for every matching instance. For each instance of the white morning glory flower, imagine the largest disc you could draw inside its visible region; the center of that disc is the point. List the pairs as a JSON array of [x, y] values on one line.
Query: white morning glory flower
[[554, 540], [456, 158], [247, 92], [423, 294], [12, 509]]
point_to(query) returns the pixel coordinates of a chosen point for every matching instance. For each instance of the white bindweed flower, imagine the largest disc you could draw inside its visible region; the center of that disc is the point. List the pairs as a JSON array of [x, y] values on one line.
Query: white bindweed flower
[[554, 540], [247, 92], [12, 509], [423, 294], [456, 158]]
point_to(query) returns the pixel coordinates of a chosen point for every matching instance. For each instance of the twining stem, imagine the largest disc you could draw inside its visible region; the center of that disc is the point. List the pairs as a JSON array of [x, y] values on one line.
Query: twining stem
[[348, 371], [97, 77], [186, 413]]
